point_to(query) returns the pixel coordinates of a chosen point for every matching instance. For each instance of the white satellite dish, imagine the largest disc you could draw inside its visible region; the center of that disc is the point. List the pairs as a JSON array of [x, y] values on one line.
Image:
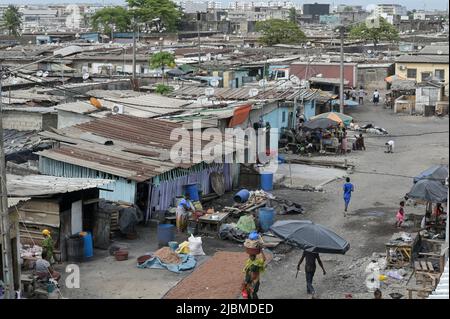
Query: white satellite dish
[[262, 83], [319, 75], [420, 48], [209, 91], [439, 52], [294, 79], [176, 87], [39, 73], [85, 76], [348, 60], [45, 74], [214, 83], [369, 51], [253, 92]]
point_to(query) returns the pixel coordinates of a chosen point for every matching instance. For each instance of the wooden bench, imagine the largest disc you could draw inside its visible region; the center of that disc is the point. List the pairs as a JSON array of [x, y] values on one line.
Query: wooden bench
[[421, 292], [426, 274]]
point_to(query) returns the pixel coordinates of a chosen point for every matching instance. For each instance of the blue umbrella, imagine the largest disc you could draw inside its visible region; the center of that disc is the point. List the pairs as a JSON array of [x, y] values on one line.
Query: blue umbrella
[[436, 173]]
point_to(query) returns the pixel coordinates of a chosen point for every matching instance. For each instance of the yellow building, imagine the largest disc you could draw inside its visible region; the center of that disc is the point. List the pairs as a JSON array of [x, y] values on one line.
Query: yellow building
[[423, 67]]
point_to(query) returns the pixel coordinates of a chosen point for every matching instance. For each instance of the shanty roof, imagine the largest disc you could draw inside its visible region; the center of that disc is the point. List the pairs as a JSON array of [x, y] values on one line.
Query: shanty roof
[[441, 291], [18, 141], [31, 109], [423, 59], [191, 92], [40, 185], [130, 147], [435, 49], [334, 81], [147, 106]]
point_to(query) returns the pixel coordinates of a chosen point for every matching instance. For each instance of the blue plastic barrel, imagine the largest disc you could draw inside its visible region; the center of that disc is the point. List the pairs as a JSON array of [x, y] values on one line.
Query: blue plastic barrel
[[242, 196], [266, 218], [88, 244], [267, 181], [165, 233], [192, 190]]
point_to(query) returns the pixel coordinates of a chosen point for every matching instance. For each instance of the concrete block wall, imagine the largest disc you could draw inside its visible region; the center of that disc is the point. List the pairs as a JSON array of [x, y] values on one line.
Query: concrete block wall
[[22, 121]]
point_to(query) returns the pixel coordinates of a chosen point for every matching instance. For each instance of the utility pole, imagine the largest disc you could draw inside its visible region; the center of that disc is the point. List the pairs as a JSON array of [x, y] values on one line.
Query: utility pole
[[341, 71], [198, 38], [8, 275], [134, 52]]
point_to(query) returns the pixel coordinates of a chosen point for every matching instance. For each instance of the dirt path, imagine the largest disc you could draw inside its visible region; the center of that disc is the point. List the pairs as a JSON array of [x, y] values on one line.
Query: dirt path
[[373, 205]]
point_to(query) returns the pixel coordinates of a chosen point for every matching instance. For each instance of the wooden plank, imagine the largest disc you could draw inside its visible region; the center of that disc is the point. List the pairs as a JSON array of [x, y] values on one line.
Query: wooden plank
[[417, 265], [430, 266], [423, 264]]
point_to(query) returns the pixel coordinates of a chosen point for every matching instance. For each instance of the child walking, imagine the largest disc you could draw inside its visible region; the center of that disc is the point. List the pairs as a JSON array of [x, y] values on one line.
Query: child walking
[[400, 215]]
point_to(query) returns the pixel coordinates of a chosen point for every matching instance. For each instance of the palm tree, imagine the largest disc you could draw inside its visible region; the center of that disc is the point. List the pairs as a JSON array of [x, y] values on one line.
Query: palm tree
[[12, 20], [161, 60]]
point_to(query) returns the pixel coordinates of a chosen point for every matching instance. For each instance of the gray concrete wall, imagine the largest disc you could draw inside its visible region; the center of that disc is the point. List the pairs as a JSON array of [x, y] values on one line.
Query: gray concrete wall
[[22, 121], [372, 78]]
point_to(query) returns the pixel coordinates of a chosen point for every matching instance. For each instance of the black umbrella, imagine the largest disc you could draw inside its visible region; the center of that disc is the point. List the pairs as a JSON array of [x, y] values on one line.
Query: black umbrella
[[320, 123], [175, 72], [429, 190], [311, 237], [437, 172]]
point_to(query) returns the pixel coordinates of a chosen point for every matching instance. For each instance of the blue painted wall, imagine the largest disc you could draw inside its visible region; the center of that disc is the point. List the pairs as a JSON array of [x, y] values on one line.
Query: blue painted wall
[[121, 189], [310, 109]]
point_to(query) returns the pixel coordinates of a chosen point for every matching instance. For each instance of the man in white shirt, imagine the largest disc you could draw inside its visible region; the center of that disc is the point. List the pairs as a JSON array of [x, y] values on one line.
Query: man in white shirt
[[376, 97], [389, 147]]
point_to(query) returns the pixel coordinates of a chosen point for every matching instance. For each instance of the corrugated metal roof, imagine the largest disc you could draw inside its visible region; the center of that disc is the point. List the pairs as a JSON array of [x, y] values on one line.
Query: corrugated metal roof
[[441, 291], [140, 146], [435, 49], [423, 59], [13, 201], [39, 185], [242, 94]]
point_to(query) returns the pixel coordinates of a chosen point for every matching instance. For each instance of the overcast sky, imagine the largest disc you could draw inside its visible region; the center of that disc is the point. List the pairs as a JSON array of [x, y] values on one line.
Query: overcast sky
[[411, 4]]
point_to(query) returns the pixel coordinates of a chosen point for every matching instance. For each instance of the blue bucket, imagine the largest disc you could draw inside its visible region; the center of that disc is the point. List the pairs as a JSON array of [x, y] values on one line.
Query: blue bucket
[[266, 218], [267, 181], [242, 196], [88, 244], [192, 190], [165, 234]]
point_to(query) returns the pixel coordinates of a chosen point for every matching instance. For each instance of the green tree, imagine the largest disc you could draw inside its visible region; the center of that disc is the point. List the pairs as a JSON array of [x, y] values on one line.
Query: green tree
[[277, 31], [162, 60], [12, 20], [293, 15], [146, 11], [107, 18], [163, 89], [384, 31]]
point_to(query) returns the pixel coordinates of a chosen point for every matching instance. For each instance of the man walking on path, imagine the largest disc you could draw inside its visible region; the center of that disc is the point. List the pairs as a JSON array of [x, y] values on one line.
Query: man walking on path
[[348, 189], [310, 269], [376, 97]]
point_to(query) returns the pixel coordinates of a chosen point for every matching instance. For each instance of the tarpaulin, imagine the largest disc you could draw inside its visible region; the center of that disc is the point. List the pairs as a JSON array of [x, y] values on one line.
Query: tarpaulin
[[240, 115], [187, 262]]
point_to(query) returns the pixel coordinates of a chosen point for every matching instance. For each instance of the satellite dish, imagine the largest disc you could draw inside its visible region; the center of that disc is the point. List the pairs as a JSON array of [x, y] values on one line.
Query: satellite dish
[[209, 91], [319, 75], [369, 51], [176, 87], [85, 76], [439, 52], [253, 92], [45, 74], [14, 81], [214, 83], [348, 60], [39, 73], [262, 83], [294, 79], [420, 48]]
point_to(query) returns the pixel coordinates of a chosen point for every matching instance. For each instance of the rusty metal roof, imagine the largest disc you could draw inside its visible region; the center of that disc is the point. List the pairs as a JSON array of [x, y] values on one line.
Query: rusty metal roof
[[137, 148]]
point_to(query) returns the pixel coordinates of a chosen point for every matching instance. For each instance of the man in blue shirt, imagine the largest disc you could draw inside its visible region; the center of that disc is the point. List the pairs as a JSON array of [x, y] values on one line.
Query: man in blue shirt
[[348, 189]]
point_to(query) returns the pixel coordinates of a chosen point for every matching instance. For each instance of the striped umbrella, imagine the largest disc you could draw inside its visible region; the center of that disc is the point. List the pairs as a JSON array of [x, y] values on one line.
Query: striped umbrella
[[335, 116]]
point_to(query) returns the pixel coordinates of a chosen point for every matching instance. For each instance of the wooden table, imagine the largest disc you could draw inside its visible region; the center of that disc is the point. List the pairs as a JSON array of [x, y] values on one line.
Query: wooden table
[[210, 226], [403, 251]]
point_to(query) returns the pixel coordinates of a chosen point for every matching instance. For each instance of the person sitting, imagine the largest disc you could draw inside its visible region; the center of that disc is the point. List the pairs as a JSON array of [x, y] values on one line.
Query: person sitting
[[43, 269]]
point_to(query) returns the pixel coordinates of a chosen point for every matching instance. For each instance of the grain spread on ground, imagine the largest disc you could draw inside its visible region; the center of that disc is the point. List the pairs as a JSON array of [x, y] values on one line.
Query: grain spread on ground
[[167, 256]]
